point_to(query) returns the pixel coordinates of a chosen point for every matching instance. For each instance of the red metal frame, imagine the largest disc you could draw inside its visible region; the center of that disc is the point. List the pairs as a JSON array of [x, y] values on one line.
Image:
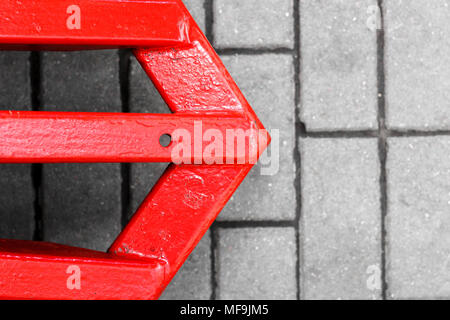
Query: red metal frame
[[185, 201]]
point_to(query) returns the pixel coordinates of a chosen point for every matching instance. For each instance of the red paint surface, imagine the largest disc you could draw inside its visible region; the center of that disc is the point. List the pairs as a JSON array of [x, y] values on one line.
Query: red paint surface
[[32, 270], [185, 201], [103, 23], [29, 136]]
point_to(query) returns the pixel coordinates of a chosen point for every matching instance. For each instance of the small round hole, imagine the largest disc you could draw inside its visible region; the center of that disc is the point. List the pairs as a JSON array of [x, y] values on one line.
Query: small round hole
[[165, 140]]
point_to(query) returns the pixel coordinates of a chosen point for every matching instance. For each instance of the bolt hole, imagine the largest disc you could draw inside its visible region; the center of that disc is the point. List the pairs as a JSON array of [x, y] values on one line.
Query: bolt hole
[[165, 140]]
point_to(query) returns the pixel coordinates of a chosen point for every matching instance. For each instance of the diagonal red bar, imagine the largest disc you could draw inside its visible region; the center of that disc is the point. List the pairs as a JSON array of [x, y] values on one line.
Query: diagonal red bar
[[178, 211]]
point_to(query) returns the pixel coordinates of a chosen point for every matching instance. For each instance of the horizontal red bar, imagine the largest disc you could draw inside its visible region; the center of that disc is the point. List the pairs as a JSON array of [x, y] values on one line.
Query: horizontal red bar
[[39, 270], [99, 23], [50, 137]]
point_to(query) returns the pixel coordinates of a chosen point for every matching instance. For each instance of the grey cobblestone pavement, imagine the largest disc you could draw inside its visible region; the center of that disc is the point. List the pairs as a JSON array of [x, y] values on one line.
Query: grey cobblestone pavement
[[359, 207]]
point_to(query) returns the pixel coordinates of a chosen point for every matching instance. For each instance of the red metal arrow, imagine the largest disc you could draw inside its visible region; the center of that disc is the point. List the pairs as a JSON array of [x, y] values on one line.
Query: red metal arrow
[[182, 205]]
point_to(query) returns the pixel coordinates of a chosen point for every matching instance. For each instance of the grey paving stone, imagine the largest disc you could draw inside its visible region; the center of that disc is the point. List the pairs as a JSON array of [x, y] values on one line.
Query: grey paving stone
[[16, 202], [341, 219], [84, 81], [193, 280], [16, 189], [256, 263], [253, 23], [82, 202], [267, 82], [197, 10], [338, 66], [417, 64], [15, 87], [418, 224]]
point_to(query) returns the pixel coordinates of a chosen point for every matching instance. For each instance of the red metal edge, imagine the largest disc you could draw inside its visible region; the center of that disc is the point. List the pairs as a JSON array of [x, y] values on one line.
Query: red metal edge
[[180, 208], [40, 270], [52, 137], [91, 24]]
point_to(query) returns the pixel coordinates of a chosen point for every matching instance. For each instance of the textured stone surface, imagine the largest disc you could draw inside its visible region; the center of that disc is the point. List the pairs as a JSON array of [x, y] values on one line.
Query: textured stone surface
[[16, 202], [16, 189], [418, 223], [197, 10], [256, 263], [253, 23], [15, 87], [418, 64], [340, 225], [193, 280], [86, 81], [82, 202], [267, 82], [338, 67]]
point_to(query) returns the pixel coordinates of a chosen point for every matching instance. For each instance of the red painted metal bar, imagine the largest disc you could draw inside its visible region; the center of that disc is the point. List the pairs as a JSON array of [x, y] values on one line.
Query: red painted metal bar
[[50, 137], [175, 215], [63, 25], [40, 270]]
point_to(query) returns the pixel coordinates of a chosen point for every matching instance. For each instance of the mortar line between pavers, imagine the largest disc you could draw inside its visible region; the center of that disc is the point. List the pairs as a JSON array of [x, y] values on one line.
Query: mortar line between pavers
[[214, 261], [209, 20], [299, 129], [35, 63], [240, 224], [349, 134], [125, 168], [416, 133], [254, 51], [208, 6], [382, 144]]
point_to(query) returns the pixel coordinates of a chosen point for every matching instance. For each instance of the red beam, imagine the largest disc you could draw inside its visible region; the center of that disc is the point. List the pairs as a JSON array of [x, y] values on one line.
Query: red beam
[[40, 270], [62, 24], [50, 137]]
